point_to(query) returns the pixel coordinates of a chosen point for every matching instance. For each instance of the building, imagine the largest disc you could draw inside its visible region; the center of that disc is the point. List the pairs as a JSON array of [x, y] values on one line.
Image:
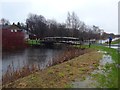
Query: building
[[12, 37], [26, 34]]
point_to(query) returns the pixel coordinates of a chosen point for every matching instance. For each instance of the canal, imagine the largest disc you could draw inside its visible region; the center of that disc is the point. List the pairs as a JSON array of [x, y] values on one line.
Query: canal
[[29, 56]]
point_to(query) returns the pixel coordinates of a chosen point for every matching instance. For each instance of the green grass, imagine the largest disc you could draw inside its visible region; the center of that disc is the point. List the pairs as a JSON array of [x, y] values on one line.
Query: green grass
[[68, 86], [111, 81], [113, 52], [116, 41], [33, 42]]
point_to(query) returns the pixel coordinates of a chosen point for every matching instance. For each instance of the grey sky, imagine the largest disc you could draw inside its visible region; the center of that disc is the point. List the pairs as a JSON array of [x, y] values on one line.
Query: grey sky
[[103, 13]]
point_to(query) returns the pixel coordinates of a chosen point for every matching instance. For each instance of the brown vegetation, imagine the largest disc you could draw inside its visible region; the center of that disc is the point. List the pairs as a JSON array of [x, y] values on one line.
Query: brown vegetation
[[12, 74], [61, 75]]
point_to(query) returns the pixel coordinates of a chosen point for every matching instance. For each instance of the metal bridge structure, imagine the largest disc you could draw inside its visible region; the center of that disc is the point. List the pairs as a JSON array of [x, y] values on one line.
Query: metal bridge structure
[[61, 40]]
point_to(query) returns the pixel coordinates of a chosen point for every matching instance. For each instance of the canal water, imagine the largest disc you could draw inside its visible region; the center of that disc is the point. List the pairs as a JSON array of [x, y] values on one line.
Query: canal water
[[29, 56]]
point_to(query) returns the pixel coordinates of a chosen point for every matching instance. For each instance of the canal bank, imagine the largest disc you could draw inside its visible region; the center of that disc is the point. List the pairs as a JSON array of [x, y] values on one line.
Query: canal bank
[[61, 75], [111, 80], [99, 78], [80, 68], [13, 73], [110, 77]]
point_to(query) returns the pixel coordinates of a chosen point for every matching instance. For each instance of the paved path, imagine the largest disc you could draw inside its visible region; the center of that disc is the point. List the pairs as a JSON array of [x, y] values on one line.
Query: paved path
[[115, 46]]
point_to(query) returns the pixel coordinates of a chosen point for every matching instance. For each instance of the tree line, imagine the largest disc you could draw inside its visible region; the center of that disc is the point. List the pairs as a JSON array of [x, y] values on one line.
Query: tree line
[[41, 27], [73, 27]]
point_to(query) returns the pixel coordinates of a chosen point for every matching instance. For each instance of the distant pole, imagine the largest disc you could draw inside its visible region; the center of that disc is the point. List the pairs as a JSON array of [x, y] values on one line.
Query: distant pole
[[101, 32], [100, 38]]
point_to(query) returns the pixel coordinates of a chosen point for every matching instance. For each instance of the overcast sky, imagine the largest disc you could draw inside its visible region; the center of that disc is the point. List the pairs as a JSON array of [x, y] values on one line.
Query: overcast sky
[[103, 13]]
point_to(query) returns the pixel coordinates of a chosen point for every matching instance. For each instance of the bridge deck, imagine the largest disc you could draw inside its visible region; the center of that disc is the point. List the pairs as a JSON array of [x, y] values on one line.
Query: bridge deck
[[67, 40]]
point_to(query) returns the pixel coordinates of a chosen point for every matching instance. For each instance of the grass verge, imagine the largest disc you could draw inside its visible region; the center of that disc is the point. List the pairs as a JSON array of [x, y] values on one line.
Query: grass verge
[[111, 80], [116, 41], [11, 74], [61, 75], [33, 42]]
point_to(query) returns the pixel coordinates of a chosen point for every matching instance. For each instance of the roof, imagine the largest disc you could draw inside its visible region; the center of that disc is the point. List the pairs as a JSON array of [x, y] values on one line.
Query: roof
[[9, 27]]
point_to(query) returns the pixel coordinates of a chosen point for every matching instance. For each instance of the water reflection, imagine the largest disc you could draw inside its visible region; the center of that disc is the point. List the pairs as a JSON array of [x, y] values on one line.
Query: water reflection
[[29, 56]]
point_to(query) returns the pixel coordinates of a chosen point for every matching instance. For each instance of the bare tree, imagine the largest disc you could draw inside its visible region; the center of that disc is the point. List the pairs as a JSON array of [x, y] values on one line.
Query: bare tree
[[68, 21], [4, 21], [75, 21], [37, 25], [73, 27]]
